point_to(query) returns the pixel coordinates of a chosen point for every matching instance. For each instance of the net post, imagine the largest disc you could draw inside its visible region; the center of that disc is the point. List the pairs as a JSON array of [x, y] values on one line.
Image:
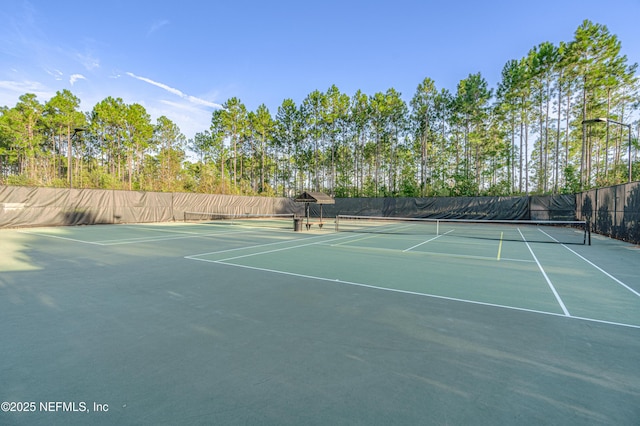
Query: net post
[[588, 231]]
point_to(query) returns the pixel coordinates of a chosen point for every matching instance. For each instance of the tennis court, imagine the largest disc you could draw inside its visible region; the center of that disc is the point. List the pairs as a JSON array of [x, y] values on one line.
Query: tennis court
[[388, 323]]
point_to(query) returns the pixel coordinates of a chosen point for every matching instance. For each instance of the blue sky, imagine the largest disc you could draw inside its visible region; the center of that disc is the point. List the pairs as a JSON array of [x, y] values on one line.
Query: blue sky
[[182, 59]]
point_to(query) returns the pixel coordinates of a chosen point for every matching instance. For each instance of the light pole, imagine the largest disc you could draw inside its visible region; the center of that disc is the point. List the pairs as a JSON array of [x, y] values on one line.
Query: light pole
[[608, 120], [69, 155]]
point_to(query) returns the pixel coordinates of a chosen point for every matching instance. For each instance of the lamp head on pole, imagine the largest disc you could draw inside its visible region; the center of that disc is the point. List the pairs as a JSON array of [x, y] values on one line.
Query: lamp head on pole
[[596, 120]]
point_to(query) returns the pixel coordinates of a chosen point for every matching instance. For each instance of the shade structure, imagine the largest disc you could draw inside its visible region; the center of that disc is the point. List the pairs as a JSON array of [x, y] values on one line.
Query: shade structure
[[314, 198]]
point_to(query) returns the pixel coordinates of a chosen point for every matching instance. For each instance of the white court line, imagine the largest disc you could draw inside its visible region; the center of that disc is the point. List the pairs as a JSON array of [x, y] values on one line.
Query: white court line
[[281, 249], [433, 296], [136, 240], [195, 256], [428, 241], [159, 238], [594, 265], [553, 289], [147, 240], [185, 236], [113, 242], [60, 238], [324, 242], [357, 239], [429, 253], [150, 228], [385, 228]]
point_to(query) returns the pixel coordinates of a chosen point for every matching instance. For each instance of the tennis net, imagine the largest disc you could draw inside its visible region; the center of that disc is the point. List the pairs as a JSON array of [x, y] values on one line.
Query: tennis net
[[564, 232], [262, 220]]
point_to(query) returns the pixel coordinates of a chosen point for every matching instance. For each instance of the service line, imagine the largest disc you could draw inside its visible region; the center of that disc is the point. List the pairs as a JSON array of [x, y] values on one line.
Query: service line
[[428, 241]]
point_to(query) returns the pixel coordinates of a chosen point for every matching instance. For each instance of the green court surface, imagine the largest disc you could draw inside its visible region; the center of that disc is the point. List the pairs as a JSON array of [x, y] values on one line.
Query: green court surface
[[186, 324]]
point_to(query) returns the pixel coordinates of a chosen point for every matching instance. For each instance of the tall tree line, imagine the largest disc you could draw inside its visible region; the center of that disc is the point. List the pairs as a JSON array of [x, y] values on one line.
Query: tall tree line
[[527, 136]]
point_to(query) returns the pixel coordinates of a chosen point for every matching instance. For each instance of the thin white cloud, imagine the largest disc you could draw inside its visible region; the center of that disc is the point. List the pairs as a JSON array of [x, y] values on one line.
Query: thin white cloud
[[190, 118], [10, 91], [156, 26], [23, 86], [202, 102], [192, 99], [88, 61], [76, 77], [57, 74]]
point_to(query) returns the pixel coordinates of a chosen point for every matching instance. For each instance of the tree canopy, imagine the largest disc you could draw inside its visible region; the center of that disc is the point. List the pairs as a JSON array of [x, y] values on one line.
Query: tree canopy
[[528, 135]]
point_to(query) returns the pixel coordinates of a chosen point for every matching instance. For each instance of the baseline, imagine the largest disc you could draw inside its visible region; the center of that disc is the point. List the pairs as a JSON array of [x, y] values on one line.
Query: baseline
[[413, 293]]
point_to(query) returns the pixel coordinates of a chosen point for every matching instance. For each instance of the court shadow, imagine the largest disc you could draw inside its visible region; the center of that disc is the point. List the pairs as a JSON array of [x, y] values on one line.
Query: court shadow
[[631, 218], [79, 217]]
